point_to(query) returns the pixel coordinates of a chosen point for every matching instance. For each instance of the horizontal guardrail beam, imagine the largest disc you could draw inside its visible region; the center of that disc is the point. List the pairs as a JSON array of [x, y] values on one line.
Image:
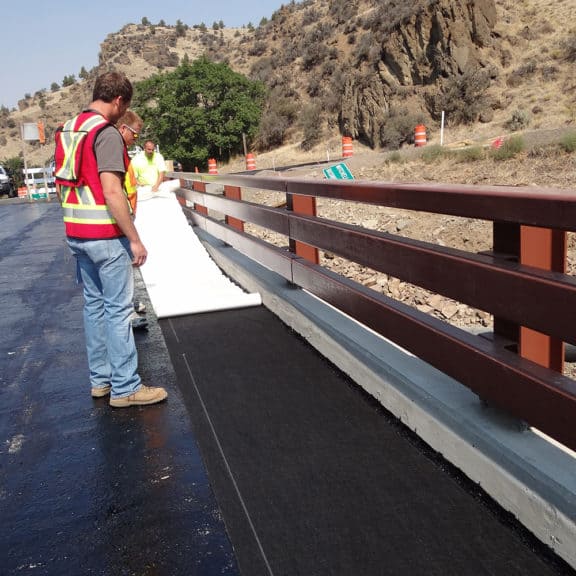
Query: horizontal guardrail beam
[[531, 297]]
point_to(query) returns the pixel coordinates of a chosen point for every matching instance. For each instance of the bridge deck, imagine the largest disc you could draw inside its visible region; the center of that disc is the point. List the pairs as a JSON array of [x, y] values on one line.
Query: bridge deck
[[310, 476]]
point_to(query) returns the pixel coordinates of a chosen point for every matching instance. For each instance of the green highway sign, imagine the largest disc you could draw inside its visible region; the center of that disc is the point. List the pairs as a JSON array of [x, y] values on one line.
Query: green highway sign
[[338, 172]]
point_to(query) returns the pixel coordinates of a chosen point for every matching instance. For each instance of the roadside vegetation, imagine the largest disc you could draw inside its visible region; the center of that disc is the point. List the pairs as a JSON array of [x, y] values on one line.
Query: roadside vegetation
[[201, 110]]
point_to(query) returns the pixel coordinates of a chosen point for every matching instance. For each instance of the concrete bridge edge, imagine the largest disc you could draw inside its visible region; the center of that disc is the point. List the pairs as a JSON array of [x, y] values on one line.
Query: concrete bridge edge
[[529, 475]]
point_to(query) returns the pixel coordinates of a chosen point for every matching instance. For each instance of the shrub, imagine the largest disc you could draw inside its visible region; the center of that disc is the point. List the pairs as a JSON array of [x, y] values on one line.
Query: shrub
[[398, 128], [258, 48], [521, 74], [520, 119], [278, 117], [342, 10], [311, 124], [314, 55], [545, 151], [314, 88], [311, 16], [394, 157], [271, 131], [569, 48], [462, 97], [434, 153], [510, 148], [262, 69], [362, 49], [568, 142], [472, 154]]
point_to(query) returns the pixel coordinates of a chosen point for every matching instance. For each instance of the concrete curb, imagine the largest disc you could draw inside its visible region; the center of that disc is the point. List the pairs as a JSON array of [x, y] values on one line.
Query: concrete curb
[[528, 475]]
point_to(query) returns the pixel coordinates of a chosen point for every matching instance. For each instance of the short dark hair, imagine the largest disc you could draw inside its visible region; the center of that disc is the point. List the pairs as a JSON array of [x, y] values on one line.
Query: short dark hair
[[110, 85]]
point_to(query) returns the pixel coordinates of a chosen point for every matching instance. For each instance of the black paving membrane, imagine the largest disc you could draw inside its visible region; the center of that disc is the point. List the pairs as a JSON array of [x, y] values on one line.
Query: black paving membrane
[[311, 476], [84, 488], [314, 478]]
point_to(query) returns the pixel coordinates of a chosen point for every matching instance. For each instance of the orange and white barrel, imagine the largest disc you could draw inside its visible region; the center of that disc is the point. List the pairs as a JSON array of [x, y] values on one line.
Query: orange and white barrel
[[250, 162], [22, 192], [420, 135], [347, 150], [212, 168]]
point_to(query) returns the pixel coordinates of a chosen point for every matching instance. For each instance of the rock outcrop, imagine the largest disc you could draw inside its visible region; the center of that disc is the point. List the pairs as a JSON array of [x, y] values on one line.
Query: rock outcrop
[[438, 40]]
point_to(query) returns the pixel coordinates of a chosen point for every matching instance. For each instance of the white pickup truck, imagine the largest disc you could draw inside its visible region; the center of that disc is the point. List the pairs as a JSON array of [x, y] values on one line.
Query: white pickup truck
[[6, 183]]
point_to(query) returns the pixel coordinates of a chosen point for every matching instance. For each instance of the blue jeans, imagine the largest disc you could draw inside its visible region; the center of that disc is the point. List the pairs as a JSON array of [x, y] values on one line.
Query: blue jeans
[[106, 272]]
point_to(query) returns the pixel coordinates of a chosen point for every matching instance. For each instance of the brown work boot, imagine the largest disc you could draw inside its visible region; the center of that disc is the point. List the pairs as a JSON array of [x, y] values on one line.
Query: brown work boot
[[101, 391], [144, 395]]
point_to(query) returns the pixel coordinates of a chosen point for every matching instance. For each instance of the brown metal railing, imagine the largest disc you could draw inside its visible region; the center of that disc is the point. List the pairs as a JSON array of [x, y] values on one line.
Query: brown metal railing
[[521, 282]]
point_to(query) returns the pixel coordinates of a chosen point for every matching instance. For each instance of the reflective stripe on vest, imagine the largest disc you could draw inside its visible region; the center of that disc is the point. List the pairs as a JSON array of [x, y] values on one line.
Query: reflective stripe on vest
[[85, 211], [76, 214], [72, 140]]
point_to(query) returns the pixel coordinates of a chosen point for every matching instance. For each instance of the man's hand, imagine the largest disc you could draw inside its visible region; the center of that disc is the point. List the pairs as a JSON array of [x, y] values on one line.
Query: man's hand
[[139, 253], [117, 203]]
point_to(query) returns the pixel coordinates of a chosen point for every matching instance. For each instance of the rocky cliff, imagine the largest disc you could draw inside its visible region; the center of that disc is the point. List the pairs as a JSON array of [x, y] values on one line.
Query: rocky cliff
[[438, 40]]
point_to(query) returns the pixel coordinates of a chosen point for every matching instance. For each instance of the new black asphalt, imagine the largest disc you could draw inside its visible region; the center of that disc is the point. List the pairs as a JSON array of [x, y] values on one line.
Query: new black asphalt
[[265, 460]]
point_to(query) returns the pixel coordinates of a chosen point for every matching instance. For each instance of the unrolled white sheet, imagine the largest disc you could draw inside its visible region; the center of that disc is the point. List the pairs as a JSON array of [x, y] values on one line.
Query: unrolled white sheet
[[179, 274]]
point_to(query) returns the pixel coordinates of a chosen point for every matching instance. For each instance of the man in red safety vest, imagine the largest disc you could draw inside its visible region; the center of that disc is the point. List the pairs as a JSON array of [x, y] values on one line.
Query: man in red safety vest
[[91, 161]]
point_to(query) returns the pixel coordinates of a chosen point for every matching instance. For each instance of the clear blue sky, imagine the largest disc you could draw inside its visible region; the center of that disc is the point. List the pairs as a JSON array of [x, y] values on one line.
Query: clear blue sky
[[45, 40]]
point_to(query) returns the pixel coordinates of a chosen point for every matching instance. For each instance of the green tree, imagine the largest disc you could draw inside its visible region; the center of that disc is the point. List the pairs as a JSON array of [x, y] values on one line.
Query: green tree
[[69, 80], [180, 29], [200, 111], [145, 21], [55, 87], [83, 74], [15, 165]]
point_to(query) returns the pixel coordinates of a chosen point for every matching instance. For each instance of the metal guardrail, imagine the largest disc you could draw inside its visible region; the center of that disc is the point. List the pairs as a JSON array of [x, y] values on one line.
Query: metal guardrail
[[528, 295]]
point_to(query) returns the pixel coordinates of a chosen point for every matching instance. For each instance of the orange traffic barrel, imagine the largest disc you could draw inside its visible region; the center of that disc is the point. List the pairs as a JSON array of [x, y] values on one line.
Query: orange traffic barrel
[[250, 162], [22, 192], [420, 135], [347, 150], [212, 169]]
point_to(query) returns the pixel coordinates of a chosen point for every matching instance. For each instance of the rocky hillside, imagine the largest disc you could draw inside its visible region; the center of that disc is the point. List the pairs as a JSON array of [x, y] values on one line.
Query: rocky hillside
[[367, 68]]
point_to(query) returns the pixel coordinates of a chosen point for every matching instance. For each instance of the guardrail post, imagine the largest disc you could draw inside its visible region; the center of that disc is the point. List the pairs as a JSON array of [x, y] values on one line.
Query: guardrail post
[[302, 205], [235, 193], [200, 187], [506, 245], [543, 248]]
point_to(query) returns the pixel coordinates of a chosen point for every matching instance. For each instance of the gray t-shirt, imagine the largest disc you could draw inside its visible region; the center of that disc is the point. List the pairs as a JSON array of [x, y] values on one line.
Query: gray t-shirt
[[109, 150]]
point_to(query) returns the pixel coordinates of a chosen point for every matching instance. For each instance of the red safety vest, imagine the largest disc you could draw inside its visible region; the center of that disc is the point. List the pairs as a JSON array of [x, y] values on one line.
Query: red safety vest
[[86, 214]]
